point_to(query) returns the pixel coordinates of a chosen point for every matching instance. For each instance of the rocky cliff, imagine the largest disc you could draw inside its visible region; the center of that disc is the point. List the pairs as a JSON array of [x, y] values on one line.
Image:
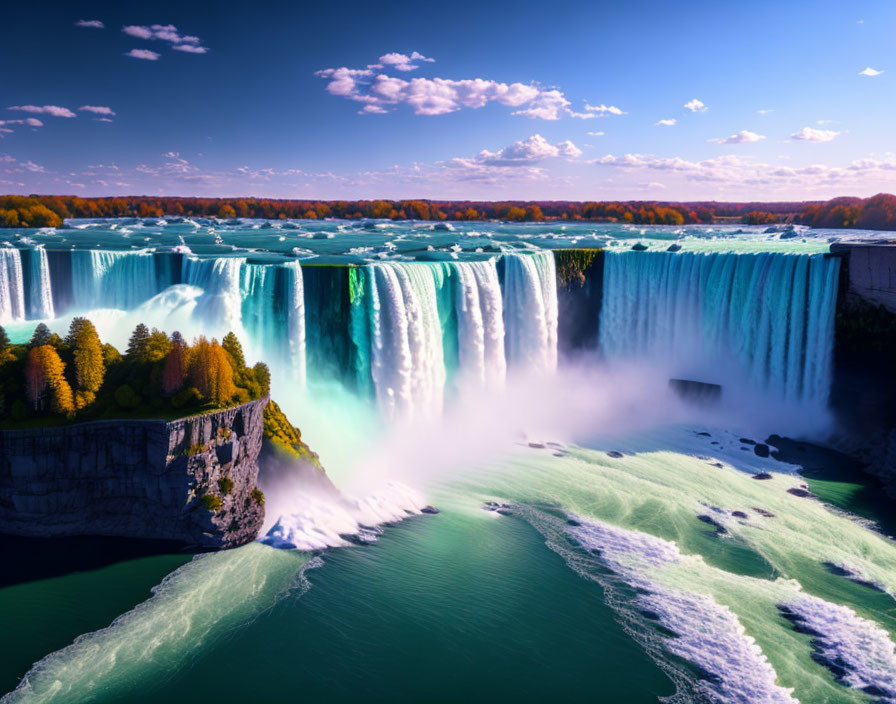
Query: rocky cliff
[[193, 480]]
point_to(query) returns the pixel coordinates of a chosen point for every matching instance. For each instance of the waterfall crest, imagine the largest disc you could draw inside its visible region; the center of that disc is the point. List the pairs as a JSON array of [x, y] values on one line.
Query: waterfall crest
[[530, 310], [767, 318], [12, 288], [480, 325]]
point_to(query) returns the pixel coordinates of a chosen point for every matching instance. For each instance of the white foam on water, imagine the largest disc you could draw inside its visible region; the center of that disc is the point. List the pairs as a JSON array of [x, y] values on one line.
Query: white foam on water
[[321, 520], [861, 654], [709, 635]]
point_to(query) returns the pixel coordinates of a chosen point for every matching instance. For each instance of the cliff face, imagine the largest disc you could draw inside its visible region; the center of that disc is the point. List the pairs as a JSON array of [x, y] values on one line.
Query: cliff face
[[190, 480]]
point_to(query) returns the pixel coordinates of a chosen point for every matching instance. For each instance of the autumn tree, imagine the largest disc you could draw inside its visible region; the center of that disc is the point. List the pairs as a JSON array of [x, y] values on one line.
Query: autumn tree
[[174, 372], [157, 347], [90, 364], [45, 384], [4, 341], [211, 372]]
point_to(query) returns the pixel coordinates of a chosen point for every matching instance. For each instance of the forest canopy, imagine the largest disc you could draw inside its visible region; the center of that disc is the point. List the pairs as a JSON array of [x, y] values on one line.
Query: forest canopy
[[75, 378]]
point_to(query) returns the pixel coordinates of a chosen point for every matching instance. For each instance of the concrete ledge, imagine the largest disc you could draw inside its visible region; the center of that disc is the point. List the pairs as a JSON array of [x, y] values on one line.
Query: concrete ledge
[[870, 271]]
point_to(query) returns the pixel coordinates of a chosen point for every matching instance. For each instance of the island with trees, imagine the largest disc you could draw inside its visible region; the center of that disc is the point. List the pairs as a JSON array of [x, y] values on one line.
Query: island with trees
[[159, 442]]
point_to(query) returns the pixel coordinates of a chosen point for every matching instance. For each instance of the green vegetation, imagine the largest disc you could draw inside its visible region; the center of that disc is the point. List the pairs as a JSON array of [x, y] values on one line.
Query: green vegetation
[[258, 496], [212, 502], [572, 264], [225, 485], [53, 380], [285, 436]]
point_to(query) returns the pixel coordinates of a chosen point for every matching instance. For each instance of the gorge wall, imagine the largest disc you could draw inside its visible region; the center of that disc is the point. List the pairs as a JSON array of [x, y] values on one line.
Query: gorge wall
[[193, 480]]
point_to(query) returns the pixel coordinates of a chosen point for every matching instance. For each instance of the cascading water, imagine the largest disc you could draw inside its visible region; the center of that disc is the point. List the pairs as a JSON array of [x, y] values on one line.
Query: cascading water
[[765, 318], [109, 279], [12, 291], [530, 310], [41, 290], [480, 325], [407, 360], [219, 308]]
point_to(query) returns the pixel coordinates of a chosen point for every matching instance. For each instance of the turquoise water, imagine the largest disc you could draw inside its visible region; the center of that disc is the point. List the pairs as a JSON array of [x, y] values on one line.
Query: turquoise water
[[634, 556]]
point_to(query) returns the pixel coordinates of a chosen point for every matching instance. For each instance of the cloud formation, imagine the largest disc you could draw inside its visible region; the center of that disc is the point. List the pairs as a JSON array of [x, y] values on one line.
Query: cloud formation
[[695, 106], [870, 72], [742, 137], [94, 24], [144, 54], [166, 33], [97, 110], [521, 159], [811, 134], [53, 110], [379, 91], [668, 122], [401, 62]]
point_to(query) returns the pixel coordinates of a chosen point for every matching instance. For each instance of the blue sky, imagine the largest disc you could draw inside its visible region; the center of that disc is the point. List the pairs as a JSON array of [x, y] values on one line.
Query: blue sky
[[635, 100]]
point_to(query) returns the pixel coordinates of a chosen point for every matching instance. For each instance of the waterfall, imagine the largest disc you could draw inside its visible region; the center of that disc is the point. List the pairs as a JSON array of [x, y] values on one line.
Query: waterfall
[[480, 325], [408, 363], [530, 310], [109, 279], [765, 318], [41, 290], [12, 289], [219, 309], [296, 320]]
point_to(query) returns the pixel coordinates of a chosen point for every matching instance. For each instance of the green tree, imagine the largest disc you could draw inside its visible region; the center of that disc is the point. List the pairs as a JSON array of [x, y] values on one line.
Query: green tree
[[158, 345], [41, 336], [263, 376], [232, 346], [137, 343], [4, 342]]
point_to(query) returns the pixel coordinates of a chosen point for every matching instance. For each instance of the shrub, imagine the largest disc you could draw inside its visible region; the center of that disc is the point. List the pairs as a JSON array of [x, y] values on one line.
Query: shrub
[[225, 484], [186, 397], [194, 449], [211, 502], [258, 496], [126, 398]]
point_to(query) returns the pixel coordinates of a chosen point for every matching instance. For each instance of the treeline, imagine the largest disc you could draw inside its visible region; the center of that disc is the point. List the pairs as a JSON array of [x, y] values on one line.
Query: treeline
[[50, 211], [875, 213], [80, 378]]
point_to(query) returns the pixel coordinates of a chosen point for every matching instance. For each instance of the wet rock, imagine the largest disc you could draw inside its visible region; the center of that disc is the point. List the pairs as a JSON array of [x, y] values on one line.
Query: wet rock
[[615, 454], [747, 441], [536, 445], [761, 450], [432, 510], [720, 529], [505, 511], [703, 434], [673, 247], [573, 522], [762, 475], [762, 512], [739, 514], [718, 464], [559, 454], [638, 247], [799, 492]]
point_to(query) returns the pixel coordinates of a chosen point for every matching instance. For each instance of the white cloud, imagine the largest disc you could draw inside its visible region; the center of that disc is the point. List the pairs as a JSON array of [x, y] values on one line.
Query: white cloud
[[401, 62], [143, 54], [28, 121], [596, 134], [810, 134], [439, 96], [97, 109], [668, 122], [602, 109], [95, 24], [765, 111], [191, 49], [53, 110], [870, 72], [695, 106], [166, 33], [742, 137], [531, 150]]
